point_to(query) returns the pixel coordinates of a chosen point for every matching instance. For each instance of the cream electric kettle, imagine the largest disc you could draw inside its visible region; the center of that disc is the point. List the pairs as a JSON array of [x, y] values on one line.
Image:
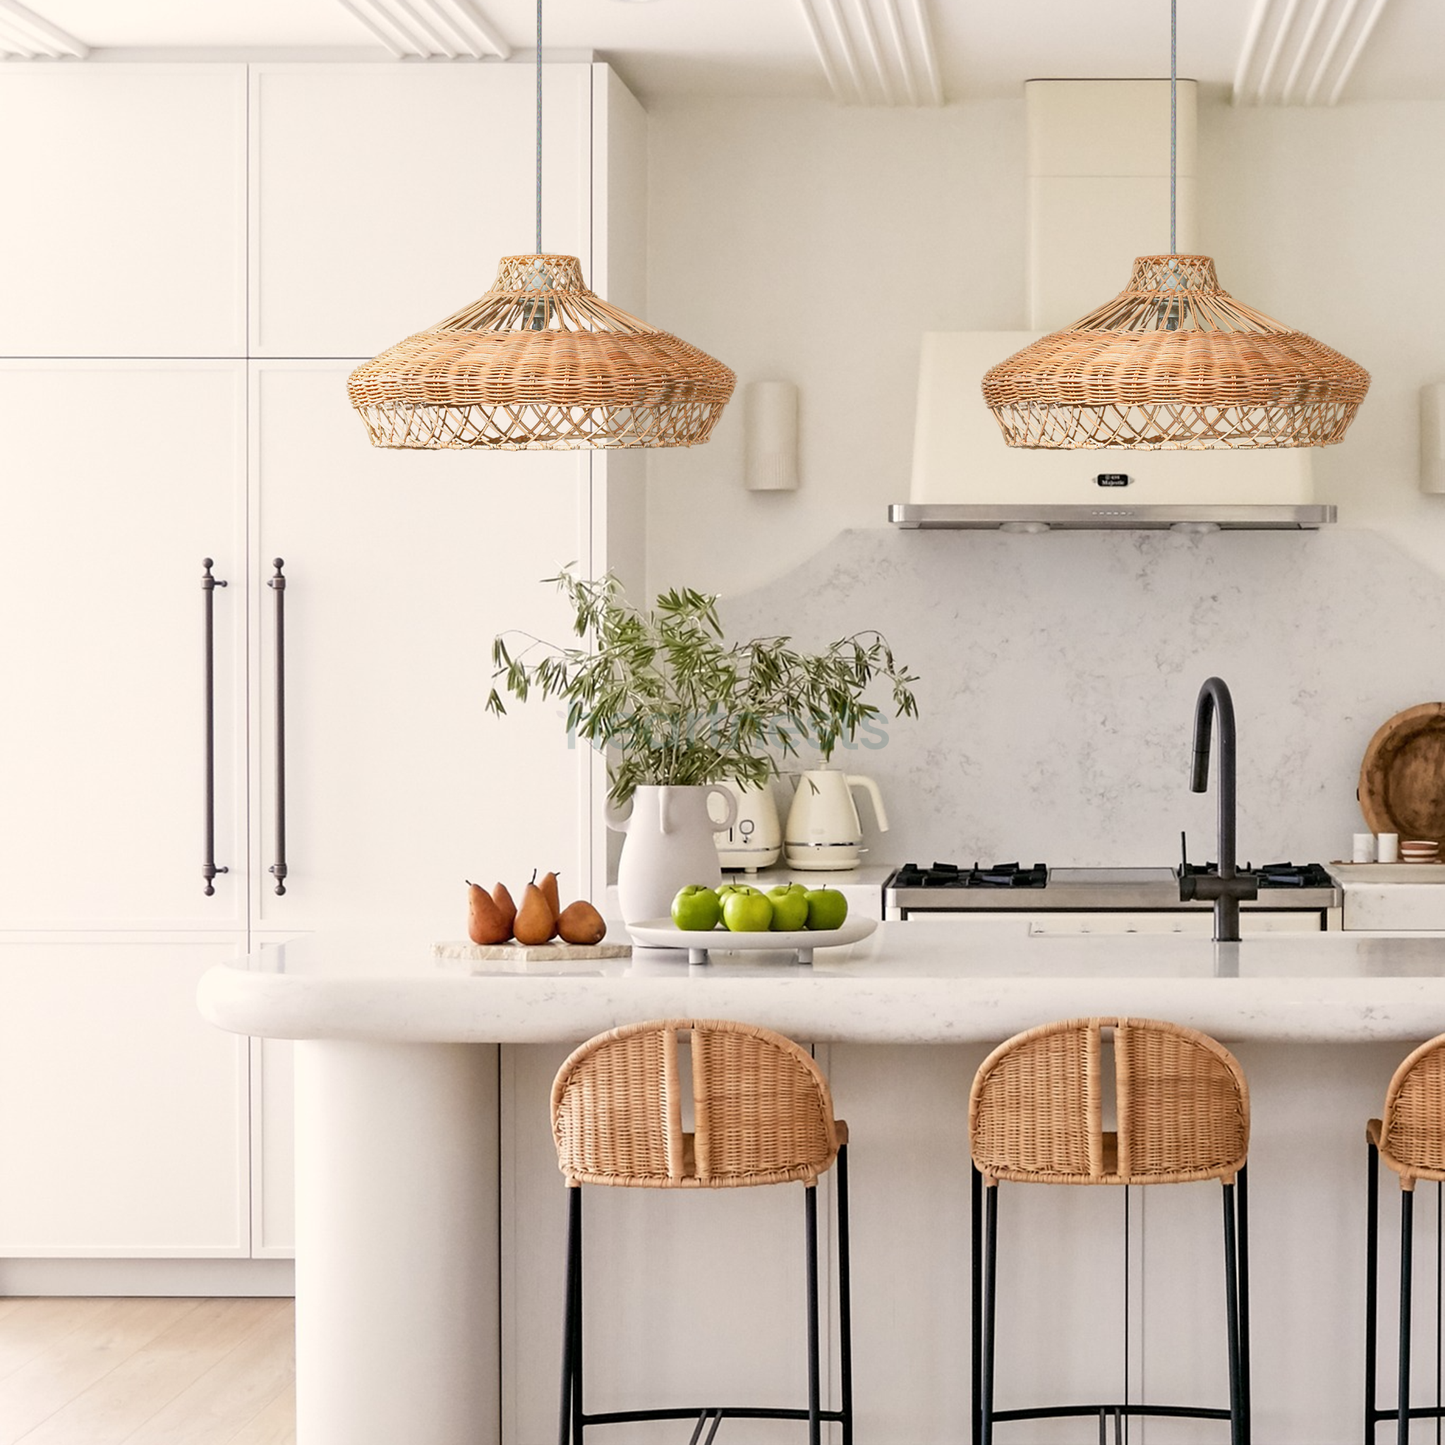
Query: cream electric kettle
[[823, 832]]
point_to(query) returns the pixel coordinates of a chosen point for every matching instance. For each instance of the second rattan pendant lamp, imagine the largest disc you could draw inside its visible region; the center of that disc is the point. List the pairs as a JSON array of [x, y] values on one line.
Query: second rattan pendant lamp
[[540, 363], [1175, 362]]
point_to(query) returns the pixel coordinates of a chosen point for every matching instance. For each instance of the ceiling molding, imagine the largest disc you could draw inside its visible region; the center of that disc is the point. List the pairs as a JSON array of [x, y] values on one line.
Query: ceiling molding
[[873, 53], [29, 36], [1303, 52], [429, 29]]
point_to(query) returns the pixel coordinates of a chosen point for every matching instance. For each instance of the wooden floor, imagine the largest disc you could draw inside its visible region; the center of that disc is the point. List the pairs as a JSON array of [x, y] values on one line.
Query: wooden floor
[[147, 1372]]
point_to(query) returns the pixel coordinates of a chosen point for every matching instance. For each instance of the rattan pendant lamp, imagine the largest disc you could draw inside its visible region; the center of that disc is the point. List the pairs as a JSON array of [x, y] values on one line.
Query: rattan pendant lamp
[[1174, 362], [540, 363]]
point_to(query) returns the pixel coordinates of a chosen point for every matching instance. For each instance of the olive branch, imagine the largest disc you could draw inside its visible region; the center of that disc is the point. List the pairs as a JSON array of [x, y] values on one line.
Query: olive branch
[[682, 706]]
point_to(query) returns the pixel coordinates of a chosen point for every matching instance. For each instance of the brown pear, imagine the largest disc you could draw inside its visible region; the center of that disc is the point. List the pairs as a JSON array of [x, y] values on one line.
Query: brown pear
[[504, 903], [549, 891], [536, 920], [580, 922], [485, 923]]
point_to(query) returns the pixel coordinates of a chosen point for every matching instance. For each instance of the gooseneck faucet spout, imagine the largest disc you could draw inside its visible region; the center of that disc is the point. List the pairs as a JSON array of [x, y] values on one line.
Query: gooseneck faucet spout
[[1229, 888]]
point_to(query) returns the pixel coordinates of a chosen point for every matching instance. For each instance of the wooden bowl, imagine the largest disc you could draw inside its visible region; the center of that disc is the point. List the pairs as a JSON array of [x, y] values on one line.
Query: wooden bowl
[[1402, 777]]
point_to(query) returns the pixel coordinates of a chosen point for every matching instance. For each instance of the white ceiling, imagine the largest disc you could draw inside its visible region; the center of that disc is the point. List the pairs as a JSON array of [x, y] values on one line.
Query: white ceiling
[[871, 51]]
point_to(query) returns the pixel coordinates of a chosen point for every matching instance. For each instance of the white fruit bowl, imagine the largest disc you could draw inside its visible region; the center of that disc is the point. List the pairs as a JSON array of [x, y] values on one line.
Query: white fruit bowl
[[664, 933]]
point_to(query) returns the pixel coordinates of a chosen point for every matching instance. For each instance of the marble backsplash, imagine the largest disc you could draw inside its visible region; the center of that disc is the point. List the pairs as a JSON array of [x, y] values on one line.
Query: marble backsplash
[[1058, 675]]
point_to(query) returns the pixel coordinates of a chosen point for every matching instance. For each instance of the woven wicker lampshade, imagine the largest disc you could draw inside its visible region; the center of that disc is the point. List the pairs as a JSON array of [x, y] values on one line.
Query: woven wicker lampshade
[[540, 363], [1175, 362]]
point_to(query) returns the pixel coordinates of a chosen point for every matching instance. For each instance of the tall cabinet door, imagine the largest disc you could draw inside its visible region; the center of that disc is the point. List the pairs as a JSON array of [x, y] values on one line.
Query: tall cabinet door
[[120, 478], [383, 195], [123, 1114], [399, 569], [125, 209]]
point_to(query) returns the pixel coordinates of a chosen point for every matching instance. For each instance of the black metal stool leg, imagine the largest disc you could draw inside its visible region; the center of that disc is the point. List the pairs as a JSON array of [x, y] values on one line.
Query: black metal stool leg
[[1231, 1293], [1407, 1240], [1372, 1290], [976, 1278], [990, 1301], [845, 1301], [577, 1325], [1241, 1200], [569, 1312], [810, 1220]]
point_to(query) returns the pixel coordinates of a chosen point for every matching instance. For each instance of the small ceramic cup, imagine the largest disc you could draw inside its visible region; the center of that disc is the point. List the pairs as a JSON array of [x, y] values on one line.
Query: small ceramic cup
[[1387, 847], [1364, 848]]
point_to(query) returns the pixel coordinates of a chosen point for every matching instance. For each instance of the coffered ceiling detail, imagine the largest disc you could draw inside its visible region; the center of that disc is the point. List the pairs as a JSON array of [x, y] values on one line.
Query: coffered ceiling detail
[[428, 29], [1303, 52], [875, 52], [28, 36]]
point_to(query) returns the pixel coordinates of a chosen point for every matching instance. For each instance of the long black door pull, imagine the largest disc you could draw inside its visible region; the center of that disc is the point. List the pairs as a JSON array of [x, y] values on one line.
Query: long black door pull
[[278, 585], [208, 858]]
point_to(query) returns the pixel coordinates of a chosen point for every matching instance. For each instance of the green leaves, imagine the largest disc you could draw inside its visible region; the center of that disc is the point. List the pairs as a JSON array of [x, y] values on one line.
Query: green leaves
[[682, 707]]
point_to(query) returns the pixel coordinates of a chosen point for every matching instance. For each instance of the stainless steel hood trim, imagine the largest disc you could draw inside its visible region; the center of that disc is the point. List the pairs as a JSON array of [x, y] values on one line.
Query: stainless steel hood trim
[[972, 517]]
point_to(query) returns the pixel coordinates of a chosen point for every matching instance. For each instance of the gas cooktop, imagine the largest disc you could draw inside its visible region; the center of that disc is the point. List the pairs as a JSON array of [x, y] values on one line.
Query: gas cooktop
[[943, 887]]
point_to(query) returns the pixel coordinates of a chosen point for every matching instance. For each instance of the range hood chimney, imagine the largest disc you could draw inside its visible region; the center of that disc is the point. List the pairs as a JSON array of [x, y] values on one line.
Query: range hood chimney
[[1098, 195]]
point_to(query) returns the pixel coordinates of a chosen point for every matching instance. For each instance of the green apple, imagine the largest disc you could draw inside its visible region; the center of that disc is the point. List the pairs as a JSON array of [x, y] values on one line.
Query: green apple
[[727, 888], [827, 908], [790, 907], [696, 909], [745, 910]]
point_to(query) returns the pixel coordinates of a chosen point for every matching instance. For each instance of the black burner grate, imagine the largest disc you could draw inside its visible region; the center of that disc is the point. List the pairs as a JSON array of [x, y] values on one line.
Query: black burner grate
[[990, 875]]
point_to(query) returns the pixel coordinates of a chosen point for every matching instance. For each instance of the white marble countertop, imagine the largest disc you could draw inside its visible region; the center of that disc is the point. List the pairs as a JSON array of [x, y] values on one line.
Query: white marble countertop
[[908, 983]]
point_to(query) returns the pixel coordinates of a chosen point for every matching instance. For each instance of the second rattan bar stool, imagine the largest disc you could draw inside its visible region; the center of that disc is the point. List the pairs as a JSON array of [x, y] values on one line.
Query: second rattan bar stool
[[762, 1115], [1035, 1116], [1410, 1138]]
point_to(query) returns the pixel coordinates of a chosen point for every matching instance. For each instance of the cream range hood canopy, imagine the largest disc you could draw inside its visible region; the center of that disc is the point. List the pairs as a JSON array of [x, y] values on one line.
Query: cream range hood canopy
[[965, 477], [1098, 195]]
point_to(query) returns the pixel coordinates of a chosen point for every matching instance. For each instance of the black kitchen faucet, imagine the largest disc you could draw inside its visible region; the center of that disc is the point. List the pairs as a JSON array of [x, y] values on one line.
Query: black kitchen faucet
[[1227, 888]]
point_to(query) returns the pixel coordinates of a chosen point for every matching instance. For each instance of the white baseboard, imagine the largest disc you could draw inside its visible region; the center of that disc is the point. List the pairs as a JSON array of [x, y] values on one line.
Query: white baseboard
[[176, 1277]]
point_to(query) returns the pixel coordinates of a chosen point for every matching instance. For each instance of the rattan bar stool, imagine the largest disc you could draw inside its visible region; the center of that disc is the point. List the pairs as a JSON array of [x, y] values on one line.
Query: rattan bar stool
[[1035, 1116], [1410, 1138], [762, 1115]]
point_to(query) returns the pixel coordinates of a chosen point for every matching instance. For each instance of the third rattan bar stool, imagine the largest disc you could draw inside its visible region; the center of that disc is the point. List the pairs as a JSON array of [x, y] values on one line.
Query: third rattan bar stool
[[1035, 1115], [762, 1115], [1410, 1138]]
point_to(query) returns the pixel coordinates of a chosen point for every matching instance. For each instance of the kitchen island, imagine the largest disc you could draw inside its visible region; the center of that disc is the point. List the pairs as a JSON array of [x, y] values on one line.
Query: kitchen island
[[418, 1148]]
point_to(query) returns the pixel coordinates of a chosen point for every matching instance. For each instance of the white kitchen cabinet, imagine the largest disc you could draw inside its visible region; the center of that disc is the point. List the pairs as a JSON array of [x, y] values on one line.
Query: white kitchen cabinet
[[383, 195], [355, 204], [400, 567], [1198, 923], [123, 1116], [121, 476], [125, 196], [273, 1150]]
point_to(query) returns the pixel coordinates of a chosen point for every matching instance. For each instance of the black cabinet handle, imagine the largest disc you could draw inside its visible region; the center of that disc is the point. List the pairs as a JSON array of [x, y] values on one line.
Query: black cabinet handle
[[208, 863], [278, 586]]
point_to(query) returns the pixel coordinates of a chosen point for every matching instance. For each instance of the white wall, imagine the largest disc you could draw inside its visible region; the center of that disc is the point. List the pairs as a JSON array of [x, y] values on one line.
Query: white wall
[[1332, 220], [810, 243], [815, 244]]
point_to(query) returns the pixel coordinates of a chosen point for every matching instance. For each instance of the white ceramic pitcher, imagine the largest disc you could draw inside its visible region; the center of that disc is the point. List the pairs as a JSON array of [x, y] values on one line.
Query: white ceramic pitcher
[[823, 832], [669, 845]]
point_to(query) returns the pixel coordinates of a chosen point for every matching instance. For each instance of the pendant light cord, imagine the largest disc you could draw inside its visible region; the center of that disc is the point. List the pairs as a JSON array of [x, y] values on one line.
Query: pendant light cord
[[1173, 122], [539, 127]]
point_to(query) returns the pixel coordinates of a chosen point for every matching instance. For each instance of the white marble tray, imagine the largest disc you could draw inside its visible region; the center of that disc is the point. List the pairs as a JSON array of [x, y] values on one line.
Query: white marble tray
[[664, 933], [528, 952]]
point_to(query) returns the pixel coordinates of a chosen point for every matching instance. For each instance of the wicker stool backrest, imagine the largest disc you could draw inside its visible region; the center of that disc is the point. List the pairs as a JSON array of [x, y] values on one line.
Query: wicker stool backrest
[[1037, 1105], [1412, 1128], [762, 1110]]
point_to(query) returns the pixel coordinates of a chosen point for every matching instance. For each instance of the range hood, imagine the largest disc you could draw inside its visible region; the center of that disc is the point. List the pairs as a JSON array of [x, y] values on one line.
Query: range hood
[[964, 477], [1098, 196]]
